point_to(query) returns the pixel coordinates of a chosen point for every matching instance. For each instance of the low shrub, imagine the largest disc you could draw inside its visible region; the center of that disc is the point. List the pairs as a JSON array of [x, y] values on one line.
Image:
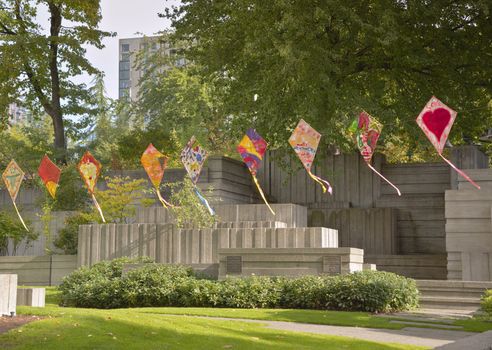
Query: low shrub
[[486, 302], [104, 286]]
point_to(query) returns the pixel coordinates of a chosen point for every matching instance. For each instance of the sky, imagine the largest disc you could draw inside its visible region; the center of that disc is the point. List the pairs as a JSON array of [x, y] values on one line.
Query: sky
[[128, 18]]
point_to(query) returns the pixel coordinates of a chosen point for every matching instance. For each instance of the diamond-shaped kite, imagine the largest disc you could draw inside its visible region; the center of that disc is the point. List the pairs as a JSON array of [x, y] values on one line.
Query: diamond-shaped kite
[[90, 169], [436, 121], [154, 163], [252, 148], [305, 141], [193, 157], [366, 130], [50, 174], [12, 177]]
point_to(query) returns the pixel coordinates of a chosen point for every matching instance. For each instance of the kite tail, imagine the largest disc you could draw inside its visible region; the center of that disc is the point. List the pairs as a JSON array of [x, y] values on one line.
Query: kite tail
[[204, 201], [385, 179], [325, 185], [262, 194], [20, 217], [98, 207], [165, 203], [461, 172]]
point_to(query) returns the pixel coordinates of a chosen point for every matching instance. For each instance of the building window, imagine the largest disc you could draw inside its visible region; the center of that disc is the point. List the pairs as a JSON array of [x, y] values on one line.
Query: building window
[[124, 65], [125, 47], [125, 57], [124, 74], [124, 84], [124, 93]]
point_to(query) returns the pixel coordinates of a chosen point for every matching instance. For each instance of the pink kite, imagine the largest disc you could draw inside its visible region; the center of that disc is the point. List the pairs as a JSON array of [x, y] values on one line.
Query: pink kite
[[436, 120]]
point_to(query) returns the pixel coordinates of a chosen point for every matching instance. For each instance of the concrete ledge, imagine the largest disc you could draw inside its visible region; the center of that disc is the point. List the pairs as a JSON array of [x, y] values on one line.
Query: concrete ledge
[[34, 297], [8, 294], [289, 261]]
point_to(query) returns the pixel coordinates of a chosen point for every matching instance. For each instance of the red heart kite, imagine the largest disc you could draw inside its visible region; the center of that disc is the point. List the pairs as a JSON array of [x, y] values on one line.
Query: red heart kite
[[436, 120]]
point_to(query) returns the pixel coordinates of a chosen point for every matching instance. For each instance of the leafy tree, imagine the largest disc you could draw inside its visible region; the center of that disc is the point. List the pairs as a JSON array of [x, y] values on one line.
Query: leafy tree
[[119, 199], [11, 229], [67, 238], [324, 61], [40, 64], [187, 209]]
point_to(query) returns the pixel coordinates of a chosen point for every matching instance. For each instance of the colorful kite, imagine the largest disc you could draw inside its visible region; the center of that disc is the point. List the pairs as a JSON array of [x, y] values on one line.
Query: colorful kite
[[436, 120], [90, 169], [13, 176], [193, 158], [366, 130], [252, 148], [50, 174], [154, 163], [305, 141]]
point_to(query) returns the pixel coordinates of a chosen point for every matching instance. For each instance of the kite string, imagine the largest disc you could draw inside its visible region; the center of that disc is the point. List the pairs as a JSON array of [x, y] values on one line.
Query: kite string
[[262, 194], [20, 217], [204, 201], [461, 172], [385, 179], [165, 203], [98, 207], [325, 185]]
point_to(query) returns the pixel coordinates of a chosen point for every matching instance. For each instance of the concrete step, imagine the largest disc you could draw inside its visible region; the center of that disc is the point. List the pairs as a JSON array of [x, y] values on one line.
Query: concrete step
[[250, 224], [442, 302], [453, 293]]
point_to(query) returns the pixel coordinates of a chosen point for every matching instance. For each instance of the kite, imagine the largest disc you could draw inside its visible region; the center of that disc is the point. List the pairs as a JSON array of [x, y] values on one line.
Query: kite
[[366, 130], [252, 148], [50, 174], [305, 142], [154, 163], [13, 176], [90, 169], [436, 120], [193, 157]]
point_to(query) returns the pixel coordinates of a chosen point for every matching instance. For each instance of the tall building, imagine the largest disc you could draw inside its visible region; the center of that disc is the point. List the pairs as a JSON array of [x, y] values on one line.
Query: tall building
[[129, 73], [17, 114]]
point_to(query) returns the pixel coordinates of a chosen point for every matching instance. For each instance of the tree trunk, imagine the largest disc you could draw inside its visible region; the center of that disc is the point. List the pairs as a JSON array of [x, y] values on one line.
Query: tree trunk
[[60, 143]]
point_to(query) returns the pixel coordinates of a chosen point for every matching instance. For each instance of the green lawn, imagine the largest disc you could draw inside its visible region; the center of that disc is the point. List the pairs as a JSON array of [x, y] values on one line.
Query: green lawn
[[70, 328], [155, 328]]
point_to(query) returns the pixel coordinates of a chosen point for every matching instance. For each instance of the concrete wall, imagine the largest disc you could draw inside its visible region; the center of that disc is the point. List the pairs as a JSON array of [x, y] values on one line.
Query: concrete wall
[[8, 294], [289, 262], [38, 270], [167, 244], [39, 247], [469, 230], [373, 230]]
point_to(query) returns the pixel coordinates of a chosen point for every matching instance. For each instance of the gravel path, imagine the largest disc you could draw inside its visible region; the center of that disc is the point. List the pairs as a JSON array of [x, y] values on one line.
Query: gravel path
[[409, 335]]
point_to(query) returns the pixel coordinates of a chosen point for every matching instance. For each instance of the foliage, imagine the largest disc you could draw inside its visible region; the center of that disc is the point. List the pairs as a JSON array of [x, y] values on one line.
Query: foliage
[[486, 302], [166, 285], [67, 238], [39, 63], [187, 208], [325, 61], [11, 229], [71, 193], [118, 200]]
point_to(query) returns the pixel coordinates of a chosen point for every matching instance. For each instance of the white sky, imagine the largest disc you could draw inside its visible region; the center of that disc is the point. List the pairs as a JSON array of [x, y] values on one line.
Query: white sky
[[127, 18]]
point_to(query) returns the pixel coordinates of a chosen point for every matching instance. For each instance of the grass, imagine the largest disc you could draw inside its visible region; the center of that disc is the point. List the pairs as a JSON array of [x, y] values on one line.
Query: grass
[[71, 328]]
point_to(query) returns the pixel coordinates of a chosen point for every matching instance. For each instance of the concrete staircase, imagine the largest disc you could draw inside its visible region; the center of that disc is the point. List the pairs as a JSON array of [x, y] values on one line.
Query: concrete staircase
[[459, 295]]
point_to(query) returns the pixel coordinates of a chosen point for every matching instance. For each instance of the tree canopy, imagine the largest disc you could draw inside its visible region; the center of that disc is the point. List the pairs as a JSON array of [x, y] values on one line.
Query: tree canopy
[[324, 61], [38, 64]]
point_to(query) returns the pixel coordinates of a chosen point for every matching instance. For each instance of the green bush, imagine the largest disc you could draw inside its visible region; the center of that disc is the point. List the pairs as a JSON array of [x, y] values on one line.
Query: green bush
[[486, 302], [103, 286], [67, 239]]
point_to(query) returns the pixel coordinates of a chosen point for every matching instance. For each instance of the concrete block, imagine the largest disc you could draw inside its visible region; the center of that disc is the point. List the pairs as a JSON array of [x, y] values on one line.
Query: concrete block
[[8, 294], [369, 267], [34, 297]]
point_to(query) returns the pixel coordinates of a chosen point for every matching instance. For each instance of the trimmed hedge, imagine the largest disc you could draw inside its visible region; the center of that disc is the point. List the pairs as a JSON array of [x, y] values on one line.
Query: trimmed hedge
[[103, 286], [486, 302]]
